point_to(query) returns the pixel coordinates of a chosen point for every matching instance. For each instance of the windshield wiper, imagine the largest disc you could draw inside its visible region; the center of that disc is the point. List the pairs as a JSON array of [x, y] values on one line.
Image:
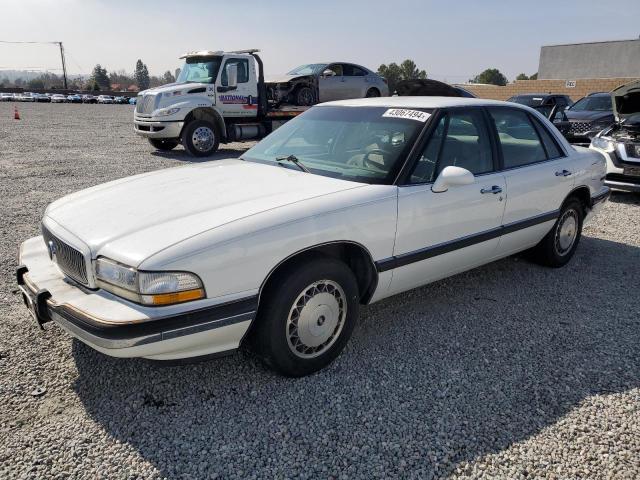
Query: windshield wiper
[[293, 159]]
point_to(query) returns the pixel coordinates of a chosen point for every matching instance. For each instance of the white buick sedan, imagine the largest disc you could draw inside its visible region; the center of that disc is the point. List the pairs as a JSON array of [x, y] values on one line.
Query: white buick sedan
[[347, 204]]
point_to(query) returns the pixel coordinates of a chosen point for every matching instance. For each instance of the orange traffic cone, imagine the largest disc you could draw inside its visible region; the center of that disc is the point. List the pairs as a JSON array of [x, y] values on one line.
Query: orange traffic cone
[[16, 115]]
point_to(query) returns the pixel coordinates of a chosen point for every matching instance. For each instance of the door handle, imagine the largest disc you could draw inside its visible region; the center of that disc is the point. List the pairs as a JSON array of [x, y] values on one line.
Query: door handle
[[563, 173], [495, 189]]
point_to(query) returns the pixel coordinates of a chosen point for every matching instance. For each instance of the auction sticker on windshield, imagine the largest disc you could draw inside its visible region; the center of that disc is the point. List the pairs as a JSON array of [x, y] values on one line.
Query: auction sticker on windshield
[[404, 113]]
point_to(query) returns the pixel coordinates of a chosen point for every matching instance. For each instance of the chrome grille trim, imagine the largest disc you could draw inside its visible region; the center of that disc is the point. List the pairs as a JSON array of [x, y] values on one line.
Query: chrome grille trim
[[70, 260], [580, 127], [145, 104]]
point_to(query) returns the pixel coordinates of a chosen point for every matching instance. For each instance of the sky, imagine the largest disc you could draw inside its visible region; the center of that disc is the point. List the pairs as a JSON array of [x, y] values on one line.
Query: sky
[[451, 40]]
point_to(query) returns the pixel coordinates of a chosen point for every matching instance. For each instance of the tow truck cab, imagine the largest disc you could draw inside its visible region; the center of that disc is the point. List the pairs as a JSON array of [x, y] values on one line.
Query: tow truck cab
[[219, 97]]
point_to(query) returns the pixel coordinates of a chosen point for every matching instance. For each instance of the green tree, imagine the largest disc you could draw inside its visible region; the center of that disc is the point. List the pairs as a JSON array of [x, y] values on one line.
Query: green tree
[[99, 76], [168, 77], [534, 76], [395, 73], [492, 76], [95, 87], [141, 74], [522, 76]]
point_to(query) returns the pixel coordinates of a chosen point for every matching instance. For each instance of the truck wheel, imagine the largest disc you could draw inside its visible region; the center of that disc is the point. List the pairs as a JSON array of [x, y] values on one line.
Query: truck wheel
[[307, 317], [201, 138], [559, 245], [164, 144], [305, 97]]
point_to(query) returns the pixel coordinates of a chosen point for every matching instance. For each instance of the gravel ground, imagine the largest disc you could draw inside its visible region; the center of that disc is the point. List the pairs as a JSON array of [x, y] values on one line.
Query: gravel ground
[[508, 371]]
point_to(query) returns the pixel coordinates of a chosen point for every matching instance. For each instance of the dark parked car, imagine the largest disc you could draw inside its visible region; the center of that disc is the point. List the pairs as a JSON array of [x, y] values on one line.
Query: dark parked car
[[586, 118], [430, 88], [549, 104], [42, 97], [121, 100], [89, 99]]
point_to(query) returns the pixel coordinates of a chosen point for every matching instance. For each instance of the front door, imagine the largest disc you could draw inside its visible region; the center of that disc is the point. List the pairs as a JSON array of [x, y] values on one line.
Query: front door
[[332, 86], [439, 234], [243, 100]]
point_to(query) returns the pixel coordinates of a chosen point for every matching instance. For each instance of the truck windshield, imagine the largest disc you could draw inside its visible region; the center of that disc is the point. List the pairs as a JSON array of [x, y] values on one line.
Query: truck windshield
[[361, 144], [200, 70]]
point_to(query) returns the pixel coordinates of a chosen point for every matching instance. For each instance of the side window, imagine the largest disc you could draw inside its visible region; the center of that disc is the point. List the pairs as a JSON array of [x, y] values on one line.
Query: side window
[[460, 139], [243, 70], [550, 145], [336, 68], [518, 138], [353, 71]]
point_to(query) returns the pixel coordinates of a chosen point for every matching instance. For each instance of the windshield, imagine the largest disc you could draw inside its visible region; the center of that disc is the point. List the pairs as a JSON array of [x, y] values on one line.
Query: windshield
[[311, 69], [200, 70], [593, 104], [529, 101], [359, 144]]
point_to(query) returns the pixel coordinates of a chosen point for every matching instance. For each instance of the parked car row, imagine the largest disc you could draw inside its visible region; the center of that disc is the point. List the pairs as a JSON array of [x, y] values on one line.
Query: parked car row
[[62, 98], [608, 122]]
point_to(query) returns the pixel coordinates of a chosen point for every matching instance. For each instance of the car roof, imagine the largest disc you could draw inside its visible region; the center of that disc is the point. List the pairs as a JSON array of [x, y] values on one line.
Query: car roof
[[418, 102]]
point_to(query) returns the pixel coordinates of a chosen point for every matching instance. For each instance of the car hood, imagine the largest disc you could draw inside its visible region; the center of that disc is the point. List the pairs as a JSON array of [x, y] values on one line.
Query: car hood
[[132, 218], [626, 100], [587, 115], [282, 78]]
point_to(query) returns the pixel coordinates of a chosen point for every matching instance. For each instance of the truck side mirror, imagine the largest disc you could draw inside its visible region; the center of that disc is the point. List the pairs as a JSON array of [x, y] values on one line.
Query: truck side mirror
[[232, 76]]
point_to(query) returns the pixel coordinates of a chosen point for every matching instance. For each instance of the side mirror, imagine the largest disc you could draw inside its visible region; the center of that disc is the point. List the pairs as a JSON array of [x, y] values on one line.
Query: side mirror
[[452, 177], [232, 76], [328, 73]]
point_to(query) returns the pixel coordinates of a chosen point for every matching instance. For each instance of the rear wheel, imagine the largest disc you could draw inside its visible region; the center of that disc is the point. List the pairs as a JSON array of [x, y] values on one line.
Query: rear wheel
[[201, 138], [373, 92], [559, 245], [164, 144], [307, 317]]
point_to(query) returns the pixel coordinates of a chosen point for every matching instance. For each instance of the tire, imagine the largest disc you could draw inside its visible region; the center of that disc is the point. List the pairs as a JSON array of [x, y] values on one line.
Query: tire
[[201, 138], [164, 144], [372, 92], [558, 246], [297, 341], [304, 97]]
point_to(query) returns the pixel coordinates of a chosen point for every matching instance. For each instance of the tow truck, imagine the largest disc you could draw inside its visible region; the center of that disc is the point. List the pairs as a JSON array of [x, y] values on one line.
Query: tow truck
[[219, 97]]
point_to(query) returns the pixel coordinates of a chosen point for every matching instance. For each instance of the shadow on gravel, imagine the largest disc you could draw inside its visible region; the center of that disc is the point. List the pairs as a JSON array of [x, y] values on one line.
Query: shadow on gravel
[[627, 198], [434, 377]]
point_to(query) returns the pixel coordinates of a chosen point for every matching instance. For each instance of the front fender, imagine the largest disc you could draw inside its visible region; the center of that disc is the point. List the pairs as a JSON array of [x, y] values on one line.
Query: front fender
[[236, 258]]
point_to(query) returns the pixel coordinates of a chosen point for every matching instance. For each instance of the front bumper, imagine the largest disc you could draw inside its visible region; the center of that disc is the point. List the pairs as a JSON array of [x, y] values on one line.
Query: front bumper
[[120, 328], [619, 165], [153, 129]]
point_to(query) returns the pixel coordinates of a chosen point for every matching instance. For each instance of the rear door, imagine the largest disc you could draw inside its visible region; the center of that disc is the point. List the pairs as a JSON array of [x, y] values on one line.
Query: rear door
[[355, 81], [243, 100], [538, 174], [439, 234]]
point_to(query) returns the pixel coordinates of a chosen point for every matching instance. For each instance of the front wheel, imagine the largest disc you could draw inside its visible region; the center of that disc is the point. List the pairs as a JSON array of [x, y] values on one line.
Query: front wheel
[[201, 138], [307, 317], [372, 93], [164, 144], [559, 245], [305, 97]]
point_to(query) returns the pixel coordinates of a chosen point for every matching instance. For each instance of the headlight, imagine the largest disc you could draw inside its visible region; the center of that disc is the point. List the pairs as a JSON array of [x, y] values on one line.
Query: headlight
[[148, 288], [164, 112], [603, 144]]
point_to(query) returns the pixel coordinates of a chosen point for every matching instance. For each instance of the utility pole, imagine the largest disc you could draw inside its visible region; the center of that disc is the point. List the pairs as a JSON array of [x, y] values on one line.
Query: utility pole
[[64, 65]]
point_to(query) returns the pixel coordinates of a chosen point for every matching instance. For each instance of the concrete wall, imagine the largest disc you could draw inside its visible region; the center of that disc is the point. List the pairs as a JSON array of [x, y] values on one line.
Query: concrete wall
[[582, 87], [590, 60]]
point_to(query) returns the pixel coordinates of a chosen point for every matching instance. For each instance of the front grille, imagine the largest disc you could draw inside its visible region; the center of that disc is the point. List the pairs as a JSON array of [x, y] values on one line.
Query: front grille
[[146, 104], [579, 127], [70, 260]]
